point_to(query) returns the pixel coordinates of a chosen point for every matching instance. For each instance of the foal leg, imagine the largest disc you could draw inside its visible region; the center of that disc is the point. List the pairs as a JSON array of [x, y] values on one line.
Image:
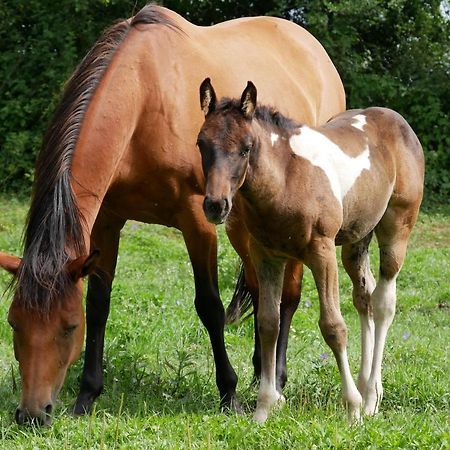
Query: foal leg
[[392, 235], [322, 262], [290, 299], [105, 237], [355, 258], [239, 238], [201, 243], [270, 278]]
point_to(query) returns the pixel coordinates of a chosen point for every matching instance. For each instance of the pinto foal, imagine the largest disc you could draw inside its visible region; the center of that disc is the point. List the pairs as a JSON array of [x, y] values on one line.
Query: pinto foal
[[304, 191]]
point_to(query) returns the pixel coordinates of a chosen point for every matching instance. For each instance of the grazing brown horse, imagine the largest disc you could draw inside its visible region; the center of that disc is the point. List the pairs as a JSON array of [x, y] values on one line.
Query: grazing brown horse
[[122, 146], [303, 191]]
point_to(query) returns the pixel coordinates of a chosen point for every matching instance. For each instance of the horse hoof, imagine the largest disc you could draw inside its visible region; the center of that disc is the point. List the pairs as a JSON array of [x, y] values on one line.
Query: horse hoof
[[82, 407], [231, 405]]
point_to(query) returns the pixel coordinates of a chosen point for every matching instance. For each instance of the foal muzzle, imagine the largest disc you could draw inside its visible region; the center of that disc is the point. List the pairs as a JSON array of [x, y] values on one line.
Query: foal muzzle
[[216, 211]]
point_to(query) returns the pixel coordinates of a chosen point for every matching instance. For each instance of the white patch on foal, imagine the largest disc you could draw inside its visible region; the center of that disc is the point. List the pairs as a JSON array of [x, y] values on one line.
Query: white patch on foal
[[273, 138], [341, 170], [360, 121]]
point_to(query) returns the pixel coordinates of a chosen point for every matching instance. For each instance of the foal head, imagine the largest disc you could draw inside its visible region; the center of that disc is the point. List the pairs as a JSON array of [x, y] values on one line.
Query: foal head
[[225, 142], [47, 340]]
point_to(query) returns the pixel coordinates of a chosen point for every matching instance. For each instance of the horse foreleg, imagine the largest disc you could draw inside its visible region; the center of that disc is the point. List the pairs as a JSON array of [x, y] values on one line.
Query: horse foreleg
[[270, 279], [322, 262], [106, 239], [201, 243]]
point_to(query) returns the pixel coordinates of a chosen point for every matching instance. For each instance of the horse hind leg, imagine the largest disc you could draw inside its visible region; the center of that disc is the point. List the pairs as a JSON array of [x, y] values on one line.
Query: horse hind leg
[[290, 299], [392, 234], [355, 258]]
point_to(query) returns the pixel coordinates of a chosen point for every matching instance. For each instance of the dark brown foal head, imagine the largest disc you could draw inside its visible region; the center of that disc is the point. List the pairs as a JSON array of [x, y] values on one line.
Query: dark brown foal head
[[46, 342], [225, 141]]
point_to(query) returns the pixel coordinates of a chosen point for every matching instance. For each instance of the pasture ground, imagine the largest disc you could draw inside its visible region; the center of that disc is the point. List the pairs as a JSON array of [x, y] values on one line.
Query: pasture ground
[[160, 391]]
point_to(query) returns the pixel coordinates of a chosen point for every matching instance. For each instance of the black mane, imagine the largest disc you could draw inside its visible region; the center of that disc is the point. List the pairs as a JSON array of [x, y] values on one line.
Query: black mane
[[54, 226], [263, 113]]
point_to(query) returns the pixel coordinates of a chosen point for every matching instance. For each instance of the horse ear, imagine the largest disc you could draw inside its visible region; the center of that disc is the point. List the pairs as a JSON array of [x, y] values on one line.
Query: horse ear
[[248, 100], [84, 265], [10, 263], [207, 97]]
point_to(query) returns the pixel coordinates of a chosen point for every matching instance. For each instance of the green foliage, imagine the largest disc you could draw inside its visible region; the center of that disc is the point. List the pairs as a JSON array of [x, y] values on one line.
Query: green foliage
[[40, 44], [393, 53]]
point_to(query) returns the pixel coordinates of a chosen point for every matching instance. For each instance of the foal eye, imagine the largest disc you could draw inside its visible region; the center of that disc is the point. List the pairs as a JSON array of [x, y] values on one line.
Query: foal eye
[[245, 150]]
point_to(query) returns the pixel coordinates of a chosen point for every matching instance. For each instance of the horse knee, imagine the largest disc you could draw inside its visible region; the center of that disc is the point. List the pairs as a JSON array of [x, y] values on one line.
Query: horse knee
[[335, 333]]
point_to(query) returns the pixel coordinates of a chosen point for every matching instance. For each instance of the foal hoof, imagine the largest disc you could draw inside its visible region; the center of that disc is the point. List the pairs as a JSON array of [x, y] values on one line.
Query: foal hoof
[[260, 415]]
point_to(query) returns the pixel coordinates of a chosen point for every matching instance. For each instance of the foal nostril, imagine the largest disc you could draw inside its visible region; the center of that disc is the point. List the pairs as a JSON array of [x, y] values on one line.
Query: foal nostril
[[211, 205], [48, 409]]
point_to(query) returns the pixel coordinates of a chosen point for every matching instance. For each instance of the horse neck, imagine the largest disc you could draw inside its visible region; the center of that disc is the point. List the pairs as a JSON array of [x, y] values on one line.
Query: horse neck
[[105, 136], [266, 175]]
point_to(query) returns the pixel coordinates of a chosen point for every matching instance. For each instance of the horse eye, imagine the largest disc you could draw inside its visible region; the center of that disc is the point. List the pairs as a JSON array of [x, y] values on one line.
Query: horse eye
[[69, 330], [12, 326]]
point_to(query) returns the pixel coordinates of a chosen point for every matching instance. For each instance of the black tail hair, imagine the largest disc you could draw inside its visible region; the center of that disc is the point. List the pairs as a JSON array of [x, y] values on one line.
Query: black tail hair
[[241, 301]]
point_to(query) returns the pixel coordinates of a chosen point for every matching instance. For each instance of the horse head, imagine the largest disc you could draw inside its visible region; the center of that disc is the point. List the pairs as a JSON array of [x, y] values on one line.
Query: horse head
[[46, 341]]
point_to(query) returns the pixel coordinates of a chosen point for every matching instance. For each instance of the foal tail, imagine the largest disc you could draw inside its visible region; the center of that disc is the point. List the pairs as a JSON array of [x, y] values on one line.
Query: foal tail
[[241, 301]]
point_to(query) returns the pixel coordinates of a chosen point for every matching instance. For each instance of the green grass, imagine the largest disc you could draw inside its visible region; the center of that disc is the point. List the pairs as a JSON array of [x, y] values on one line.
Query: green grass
[[159, 371]]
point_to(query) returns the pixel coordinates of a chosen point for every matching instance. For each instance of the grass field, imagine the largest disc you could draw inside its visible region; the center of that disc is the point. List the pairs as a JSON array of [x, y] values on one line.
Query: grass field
[[160, 390]]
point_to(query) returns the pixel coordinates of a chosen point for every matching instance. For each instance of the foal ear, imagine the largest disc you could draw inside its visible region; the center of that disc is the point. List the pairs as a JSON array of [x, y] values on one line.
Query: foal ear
[[248, 100], [84, 265], [10, 263], [207, 97]]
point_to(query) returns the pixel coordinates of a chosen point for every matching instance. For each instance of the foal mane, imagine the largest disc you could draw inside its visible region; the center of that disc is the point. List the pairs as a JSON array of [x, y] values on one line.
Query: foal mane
[[263, 113], [54, 226]]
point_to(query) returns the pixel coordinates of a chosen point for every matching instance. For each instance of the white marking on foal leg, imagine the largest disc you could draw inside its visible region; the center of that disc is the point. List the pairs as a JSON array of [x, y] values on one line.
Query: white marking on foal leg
[[273, 138], [350, 394], [341, 170], [367, 336], [360, 121], [383, 303]]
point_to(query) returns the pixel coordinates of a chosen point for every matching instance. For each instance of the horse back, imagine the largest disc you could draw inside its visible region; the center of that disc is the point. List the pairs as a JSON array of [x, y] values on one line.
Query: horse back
[[386, 159]]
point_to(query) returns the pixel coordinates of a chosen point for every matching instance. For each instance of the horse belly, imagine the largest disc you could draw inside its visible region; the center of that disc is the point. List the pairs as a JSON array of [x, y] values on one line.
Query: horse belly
[[362, 210]]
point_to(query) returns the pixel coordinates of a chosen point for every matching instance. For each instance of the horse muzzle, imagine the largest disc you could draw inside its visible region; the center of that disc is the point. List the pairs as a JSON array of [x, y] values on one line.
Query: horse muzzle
[[216, 210], [39, 417]]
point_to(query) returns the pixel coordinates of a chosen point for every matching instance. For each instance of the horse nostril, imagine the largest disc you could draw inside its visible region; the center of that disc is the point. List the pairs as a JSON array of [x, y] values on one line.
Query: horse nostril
[[20, 416], [226, 206], [48, 409]]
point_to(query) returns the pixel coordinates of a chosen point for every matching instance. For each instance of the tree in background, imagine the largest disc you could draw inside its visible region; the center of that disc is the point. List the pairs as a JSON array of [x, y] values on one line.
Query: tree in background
[[393, 53]]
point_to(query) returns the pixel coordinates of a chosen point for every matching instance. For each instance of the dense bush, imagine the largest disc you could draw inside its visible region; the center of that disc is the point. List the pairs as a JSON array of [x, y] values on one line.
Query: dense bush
[[393, 53]]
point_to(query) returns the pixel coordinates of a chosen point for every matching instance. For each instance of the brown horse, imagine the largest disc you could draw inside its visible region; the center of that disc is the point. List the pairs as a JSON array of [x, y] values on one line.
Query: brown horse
[[122, 146], [303, 191]]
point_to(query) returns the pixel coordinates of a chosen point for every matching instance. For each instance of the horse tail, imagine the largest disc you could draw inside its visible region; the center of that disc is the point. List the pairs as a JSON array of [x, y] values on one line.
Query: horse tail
[[241, 301]]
